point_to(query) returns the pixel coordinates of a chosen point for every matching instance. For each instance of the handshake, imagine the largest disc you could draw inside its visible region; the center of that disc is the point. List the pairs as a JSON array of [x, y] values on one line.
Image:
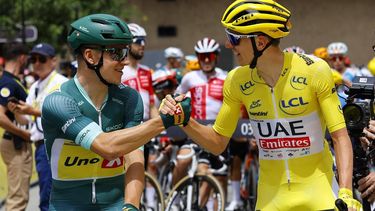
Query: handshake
[[175, 110]]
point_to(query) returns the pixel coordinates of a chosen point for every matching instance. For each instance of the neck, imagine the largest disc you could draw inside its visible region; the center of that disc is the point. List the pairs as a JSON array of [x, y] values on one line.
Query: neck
[[12, 67], [45, 75], [96, 90], [270, 71], [133, 62], [210, 73]]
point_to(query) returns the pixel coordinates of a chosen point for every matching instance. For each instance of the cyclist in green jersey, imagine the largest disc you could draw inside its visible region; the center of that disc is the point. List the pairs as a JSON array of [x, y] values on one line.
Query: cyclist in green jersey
[[92, 124]]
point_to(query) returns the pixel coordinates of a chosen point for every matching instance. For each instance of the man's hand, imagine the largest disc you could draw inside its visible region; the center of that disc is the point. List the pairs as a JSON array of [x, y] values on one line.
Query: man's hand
[[367, 187], [21, 108], [347, 196], [175, 111], [129, 207]]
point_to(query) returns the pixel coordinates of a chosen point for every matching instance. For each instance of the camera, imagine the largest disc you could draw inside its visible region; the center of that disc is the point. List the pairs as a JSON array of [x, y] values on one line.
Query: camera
[[358, 112], [359, 109]]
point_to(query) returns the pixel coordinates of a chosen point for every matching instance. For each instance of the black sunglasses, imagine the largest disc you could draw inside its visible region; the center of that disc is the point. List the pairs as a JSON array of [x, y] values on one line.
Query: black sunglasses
[[116, 54], [42, 59]]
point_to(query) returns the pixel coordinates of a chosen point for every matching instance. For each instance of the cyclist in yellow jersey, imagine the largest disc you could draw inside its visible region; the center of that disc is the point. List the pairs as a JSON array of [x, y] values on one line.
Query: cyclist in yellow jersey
[[291, 100]]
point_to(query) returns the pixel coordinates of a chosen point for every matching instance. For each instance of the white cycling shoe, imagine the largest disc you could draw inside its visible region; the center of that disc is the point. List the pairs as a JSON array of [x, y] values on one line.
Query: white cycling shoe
[[234, 205]]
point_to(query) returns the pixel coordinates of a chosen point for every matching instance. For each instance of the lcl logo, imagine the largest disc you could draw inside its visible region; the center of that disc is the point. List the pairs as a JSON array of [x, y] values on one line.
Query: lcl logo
[[298, 83]]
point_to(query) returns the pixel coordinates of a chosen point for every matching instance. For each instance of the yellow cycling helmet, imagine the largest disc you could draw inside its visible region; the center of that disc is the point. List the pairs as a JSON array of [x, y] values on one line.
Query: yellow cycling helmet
[[321, 53], [257, 16], [371, 66]]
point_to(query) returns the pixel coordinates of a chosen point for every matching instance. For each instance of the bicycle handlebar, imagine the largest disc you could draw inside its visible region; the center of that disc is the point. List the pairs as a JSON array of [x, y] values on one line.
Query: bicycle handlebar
[[341, 205], [187, 156]]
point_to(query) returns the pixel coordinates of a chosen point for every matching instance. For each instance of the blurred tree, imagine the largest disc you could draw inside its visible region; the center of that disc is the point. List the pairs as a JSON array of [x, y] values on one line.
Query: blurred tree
[[53, 17]]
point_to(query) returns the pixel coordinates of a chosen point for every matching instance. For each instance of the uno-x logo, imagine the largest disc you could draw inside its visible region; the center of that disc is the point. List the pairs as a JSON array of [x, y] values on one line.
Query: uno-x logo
[[113, 163], [178, 110], [178, 115], [246, 88], [76, 161], [298, 83], [255, 104]]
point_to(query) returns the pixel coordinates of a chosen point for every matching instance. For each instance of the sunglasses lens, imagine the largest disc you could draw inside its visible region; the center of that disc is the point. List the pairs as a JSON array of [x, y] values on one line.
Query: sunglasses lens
[[41, 59], [203, 56], [233, 40], [118, 54], [139, 41]]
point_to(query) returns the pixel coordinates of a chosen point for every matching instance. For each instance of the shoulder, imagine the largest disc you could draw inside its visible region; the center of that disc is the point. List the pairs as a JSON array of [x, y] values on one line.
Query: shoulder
[[60, 78], [144, 68], [125, 91], [221, 73]]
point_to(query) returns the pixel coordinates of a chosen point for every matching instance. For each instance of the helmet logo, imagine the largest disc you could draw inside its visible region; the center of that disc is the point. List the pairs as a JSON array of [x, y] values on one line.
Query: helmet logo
[[83, 28]]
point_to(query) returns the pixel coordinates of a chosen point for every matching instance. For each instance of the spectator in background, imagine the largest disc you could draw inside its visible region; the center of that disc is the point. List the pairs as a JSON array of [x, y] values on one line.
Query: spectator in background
[[43, 61], [15, 147], [174, 58], [139, 77], [339, 60]]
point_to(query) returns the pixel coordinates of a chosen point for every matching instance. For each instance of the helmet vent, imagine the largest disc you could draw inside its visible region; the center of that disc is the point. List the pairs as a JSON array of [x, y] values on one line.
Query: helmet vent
[[121, 27], [97, 20], [107, 35]]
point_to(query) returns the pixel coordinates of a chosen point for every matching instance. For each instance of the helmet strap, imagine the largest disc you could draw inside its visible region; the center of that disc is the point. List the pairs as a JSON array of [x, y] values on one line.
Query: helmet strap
[[96, 68], [258, 53]]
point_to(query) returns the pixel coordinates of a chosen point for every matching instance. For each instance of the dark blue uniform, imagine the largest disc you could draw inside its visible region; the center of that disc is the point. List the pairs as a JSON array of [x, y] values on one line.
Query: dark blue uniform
[[10, 86]]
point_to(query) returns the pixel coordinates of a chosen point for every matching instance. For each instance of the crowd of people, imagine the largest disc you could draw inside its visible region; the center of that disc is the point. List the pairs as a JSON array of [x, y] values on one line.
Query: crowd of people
[[90, 127]]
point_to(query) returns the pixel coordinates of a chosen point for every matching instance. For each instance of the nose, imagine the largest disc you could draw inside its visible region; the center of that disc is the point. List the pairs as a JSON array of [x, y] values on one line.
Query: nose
[[228, 44]]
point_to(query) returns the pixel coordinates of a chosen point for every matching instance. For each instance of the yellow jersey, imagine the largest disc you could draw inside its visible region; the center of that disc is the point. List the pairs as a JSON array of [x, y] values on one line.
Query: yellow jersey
[[289, 119]]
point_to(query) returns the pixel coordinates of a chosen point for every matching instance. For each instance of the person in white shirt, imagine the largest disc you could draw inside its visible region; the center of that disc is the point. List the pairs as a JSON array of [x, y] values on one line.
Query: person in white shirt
[[43, 60]]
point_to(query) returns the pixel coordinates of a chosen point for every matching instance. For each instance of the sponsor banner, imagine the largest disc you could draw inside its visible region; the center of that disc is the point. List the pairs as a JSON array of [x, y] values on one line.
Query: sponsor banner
[[73, 162]]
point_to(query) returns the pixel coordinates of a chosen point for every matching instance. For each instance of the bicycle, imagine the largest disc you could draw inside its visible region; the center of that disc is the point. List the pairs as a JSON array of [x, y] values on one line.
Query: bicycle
[[185, 195], [159, 196]]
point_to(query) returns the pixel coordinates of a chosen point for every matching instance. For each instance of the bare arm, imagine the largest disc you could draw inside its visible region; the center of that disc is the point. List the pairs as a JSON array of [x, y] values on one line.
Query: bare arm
[[117, 143], [9, 126], [24, 108], [19, 117], [134, 177], [203, 135], [206, 137], [153, 111], [344, 157]]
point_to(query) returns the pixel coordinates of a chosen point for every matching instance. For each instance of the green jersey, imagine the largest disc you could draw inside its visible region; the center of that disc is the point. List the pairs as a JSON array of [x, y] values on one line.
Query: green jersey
[[71, 122]]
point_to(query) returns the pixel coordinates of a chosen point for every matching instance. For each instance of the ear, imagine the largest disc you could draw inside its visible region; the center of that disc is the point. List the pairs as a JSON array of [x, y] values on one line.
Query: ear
[[88, 55], [262, 41]]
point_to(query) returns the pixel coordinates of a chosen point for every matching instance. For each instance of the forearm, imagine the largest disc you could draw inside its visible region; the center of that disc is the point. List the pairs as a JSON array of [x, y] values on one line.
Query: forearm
[[7, 125], [206, 137], [134, 177], [344, 157], [118, 143], [35, 112], [153, 111], [22, 119]]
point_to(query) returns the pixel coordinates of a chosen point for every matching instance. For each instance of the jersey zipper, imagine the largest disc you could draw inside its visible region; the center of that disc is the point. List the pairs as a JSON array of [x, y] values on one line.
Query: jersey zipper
[[287, 171], [93, 199]]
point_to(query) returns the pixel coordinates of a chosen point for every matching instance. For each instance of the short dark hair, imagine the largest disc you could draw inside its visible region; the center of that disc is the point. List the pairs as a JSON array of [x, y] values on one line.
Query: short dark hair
[[12, 51]]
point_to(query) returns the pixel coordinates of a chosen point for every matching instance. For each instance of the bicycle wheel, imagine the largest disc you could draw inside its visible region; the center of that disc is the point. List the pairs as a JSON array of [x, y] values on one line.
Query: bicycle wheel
[[178, 198], [165, 178], [159, 197], [252, 184]]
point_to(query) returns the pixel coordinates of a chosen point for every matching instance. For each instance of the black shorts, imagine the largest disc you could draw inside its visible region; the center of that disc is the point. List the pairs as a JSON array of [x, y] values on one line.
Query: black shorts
[[238, 148]]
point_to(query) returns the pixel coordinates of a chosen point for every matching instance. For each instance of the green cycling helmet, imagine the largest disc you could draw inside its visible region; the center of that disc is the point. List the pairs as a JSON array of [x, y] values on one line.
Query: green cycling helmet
[[99, 29]]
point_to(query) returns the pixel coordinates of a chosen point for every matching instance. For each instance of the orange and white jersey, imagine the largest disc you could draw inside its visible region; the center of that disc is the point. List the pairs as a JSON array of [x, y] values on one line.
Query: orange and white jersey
[[206, 92], [140, 80]]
